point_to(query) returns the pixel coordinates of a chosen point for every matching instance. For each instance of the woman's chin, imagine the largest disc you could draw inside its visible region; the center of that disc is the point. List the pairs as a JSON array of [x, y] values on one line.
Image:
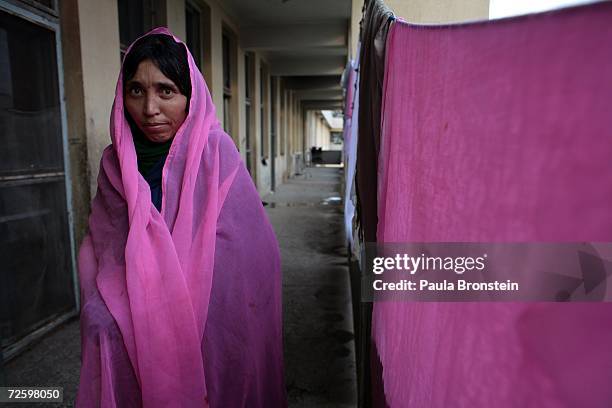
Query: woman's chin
[[158, 137]]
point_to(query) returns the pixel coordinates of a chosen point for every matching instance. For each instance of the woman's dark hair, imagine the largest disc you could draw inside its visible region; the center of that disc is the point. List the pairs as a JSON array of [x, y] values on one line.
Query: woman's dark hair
[[168, 55]]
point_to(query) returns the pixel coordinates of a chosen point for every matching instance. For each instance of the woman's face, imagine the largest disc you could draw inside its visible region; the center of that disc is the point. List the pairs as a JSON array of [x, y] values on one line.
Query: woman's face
[[155, 103]]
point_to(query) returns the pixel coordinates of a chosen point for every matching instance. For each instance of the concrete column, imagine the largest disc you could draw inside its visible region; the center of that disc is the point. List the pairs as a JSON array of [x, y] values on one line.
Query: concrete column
[[290, 141], [100, 61], [175, 18], [75, 112], [240, 99], [216, 50]]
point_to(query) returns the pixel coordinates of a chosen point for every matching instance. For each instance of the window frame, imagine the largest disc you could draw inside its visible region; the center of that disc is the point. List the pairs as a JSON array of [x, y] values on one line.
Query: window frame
[[249, 113], [49, 22], [192, 7], [264, 111]]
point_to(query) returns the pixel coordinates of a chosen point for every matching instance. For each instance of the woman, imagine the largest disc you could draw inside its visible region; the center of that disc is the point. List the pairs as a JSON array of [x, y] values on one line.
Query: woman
[[180, 276]]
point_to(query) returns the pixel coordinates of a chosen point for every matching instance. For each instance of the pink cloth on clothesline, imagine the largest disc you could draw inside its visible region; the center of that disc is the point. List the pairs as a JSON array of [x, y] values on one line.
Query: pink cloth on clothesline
[[350, 149], [180, 308], [498, 131]]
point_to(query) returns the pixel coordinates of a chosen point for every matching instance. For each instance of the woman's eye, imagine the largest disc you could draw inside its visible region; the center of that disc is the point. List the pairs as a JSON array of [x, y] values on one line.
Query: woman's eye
[[167, 92], [136, 91]]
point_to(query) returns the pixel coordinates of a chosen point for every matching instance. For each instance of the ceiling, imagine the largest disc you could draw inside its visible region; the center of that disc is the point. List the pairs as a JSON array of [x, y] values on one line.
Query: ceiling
[[303, 40], [260, 12]]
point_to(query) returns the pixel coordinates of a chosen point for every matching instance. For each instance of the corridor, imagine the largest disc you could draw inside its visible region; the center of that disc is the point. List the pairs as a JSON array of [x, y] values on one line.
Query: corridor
[[306, 213]]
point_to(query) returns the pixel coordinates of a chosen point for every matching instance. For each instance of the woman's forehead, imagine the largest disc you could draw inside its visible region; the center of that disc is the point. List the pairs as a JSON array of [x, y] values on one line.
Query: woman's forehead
[[148, 72]]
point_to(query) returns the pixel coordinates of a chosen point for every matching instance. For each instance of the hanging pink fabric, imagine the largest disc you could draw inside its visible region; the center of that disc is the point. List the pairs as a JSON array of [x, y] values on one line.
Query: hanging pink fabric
[[498, 131], [182, 308], [350, 148]]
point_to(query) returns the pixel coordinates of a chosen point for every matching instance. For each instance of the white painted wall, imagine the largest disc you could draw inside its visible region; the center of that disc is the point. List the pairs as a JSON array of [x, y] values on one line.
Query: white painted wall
[[424, 12], [509, 8], [101, 64], [175, 15]]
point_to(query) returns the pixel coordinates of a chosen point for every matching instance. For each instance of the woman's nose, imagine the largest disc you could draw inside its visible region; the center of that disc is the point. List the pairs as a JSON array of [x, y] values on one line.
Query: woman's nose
[[151, 107]]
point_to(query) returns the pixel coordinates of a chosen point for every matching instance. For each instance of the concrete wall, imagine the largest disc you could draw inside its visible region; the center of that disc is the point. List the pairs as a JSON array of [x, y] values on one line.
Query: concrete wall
[[440, 11], [75, 114], [424, 12], [100, 61], [175, 17], [356, 12]]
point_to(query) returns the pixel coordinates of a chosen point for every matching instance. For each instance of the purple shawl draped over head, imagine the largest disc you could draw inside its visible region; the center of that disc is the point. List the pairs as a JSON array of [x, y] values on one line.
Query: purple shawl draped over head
[[180, 308]]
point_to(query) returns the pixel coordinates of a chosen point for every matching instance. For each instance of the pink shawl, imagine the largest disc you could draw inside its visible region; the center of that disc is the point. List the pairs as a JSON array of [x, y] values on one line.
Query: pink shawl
[[179, 308], [497, 132]]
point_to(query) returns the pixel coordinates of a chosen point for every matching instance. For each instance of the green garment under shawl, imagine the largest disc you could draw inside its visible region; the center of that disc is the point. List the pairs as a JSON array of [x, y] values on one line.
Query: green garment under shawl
[[149, 153]]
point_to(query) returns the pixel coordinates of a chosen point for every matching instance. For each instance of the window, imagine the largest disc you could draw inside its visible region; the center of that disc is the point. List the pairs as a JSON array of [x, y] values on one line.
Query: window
[[197, 37], [231, 105], [227, 84], [335, 138], [193, 33], [135, 18], [47, 3], [47, 6], [283, 120], [131, 22], [248, 110], [263, 109], [273, 131], [36, 281]]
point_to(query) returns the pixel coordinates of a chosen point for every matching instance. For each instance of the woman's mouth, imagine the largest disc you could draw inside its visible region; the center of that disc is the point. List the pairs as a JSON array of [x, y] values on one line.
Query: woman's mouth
[[155, 127]]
